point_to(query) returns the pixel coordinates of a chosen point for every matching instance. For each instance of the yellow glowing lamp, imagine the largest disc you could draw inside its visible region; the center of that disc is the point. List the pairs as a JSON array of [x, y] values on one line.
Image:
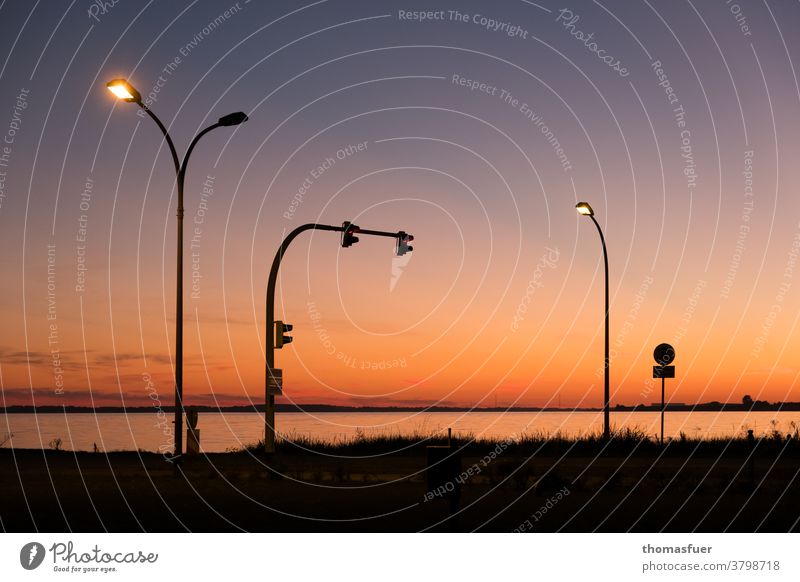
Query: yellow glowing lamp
[[124, 90], [584, 208]]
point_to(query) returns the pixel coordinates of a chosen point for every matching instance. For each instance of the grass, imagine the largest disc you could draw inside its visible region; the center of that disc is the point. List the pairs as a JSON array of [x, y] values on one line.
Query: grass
[[626, 441], [633, 441]]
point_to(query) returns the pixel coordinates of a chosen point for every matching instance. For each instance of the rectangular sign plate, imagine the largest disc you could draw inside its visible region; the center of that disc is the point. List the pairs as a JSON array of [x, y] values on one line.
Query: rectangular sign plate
[[275, 382], [663, 371]]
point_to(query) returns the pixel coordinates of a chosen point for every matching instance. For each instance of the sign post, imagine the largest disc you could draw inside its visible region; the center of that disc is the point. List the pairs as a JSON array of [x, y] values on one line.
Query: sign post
[[664, 354]]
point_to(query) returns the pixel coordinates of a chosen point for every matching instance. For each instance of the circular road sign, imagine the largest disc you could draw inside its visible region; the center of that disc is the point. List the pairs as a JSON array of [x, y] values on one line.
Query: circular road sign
[[664, 354]]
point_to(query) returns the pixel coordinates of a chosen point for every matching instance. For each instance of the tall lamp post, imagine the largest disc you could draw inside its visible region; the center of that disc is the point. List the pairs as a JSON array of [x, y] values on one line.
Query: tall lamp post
[[276, 329], [126, 92], [586, 210]]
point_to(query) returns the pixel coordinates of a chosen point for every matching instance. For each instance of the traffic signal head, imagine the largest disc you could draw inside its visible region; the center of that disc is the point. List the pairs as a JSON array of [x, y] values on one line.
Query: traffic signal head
[[402, 243], [281, 329], [347, 234]]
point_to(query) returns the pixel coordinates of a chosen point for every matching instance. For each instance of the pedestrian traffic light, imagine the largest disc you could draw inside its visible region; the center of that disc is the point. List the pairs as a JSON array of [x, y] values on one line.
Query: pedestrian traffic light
[[347, 234], [280, 329], [402, 243]]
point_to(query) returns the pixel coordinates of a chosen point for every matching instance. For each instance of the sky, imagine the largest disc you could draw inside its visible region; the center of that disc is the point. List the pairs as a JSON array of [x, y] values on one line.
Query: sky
[[474, 126]]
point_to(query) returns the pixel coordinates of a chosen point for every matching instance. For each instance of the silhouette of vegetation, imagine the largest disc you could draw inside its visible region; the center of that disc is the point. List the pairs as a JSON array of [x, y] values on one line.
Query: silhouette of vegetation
[[625, 441]]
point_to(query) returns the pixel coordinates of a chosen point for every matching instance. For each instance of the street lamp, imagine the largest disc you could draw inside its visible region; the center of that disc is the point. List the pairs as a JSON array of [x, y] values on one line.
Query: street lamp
[[275, 329], [586, 210], [126, 92]]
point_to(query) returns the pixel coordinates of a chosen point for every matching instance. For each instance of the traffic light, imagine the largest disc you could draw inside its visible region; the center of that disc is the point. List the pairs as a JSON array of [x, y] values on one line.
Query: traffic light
[[280, 329], [402, 243], [347, 234]]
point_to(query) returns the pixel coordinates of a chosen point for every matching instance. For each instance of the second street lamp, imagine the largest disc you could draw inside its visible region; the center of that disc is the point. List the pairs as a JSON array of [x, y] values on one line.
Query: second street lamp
[[586, 210], [126, 92]]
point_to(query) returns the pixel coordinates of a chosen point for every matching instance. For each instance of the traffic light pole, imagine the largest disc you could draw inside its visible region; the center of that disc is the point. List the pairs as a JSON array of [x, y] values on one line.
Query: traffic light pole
[[269, 413]]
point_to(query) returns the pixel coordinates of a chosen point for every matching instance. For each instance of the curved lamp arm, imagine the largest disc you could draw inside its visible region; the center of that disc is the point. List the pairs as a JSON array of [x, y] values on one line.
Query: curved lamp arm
[[163, 129]]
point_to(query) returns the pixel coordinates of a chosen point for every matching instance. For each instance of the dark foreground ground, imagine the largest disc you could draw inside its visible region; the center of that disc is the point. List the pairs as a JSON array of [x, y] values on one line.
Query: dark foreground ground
[[581, 491]]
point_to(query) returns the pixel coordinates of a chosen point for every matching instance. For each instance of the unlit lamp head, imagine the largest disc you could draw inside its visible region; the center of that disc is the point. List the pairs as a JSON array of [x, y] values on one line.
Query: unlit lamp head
[[124, 90], [584, 208], [233, 119]]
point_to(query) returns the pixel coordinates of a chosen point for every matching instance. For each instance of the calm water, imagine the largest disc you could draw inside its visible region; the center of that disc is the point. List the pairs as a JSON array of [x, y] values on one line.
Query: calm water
[[220, 432]]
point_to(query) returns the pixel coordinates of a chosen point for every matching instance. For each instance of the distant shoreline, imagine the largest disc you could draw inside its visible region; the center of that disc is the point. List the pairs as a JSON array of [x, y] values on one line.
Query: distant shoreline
[[317, 408]]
